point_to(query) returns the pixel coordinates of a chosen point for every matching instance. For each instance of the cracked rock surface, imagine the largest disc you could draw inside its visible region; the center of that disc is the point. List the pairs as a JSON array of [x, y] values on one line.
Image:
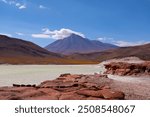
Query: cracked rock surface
[[65, 87]]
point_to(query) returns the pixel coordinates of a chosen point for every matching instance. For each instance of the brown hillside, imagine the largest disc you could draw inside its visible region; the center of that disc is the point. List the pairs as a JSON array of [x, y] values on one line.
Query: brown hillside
[[17, 51], [142, 51]]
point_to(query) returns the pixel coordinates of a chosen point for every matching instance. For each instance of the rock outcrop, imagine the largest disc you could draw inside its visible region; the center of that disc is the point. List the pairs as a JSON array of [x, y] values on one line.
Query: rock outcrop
[[65, 87], [124, 68]]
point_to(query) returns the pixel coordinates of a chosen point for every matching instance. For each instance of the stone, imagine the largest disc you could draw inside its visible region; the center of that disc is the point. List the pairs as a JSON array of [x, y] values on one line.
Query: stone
[[90, 93], [66, 87], [94, 98], [124, 68], [105, 87], [111, 94], [65, 75], [71, 96]]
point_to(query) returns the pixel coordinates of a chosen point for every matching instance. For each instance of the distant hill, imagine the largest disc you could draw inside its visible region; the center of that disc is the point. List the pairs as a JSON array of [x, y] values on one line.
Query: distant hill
[[141, 51], [17, 51], [17, 47], [77, 44]]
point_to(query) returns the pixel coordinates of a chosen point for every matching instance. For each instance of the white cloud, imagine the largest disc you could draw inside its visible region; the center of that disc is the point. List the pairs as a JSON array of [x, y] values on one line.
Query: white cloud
[[62, 33], [22, 6], [11, 2], [101, 38], [40, 36], [105, 39], [9, 35], [57, 34], [126, 43], [121, 43], [19, 5], [42, 7], [5, 1], [20, 34]]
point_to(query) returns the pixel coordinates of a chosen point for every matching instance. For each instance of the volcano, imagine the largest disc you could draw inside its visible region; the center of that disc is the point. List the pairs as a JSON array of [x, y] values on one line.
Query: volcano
[[77, 44]]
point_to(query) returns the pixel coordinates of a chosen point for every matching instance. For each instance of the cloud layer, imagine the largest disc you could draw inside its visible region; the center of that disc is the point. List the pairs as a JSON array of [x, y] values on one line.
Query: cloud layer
[[19, 33], [9, 35], [40, 36], [126, 43], [19, 5], [56, 34], [121, 43], [42, 7]]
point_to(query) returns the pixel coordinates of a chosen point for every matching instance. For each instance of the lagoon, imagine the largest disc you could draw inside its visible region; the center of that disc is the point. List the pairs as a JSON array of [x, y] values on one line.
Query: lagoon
[[35, 74]]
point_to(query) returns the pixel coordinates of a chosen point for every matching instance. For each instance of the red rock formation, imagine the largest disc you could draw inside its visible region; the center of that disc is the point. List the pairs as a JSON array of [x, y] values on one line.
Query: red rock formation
[[122, 68], [65, 87]]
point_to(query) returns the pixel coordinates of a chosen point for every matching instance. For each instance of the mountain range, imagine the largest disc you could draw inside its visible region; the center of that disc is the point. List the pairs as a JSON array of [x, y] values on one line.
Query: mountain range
[[15, 51], [77, 44], [140, 51], [17, 47], [18, 51]]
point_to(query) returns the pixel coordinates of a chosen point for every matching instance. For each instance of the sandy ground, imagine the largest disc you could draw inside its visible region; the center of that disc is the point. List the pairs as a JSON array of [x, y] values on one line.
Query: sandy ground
[[134, 87], [126, 59]]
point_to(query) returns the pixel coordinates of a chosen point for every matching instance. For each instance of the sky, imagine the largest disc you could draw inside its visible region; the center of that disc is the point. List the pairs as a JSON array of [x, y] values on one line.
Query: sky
[[120, 22]]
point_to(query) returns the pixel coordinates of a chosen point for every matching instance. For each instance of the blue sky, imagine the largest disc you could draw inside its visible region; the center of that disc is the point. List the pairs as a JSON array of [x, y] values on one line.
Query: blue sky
[[121, 22]]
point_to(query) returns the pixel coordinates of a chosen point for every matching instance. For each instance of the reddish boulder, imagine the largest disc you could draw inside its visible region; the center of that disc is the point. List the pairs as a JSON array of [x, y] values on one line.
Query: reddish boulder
[[90, 93], [110, 94], [71, 96], [122, 68], [66, 87]]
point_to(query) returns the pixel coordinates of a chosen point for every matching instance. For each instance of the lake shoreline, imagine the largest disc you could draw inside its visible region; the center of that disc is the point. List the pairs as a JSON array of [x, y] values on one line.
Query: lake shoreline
[[34, 74]]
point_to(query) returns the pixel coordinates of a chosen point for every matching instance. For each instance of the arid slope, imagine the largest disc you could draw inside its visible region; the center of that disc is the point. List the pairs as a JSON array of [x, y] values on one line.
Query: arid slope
[[142, 52], [17, 51]]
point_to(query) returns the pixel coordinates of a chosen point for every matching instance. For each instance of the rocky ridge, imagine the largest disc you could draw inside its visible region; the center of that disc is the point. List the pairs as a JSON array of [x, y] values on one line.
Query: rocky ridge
[[65, 87], [128, 69]]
